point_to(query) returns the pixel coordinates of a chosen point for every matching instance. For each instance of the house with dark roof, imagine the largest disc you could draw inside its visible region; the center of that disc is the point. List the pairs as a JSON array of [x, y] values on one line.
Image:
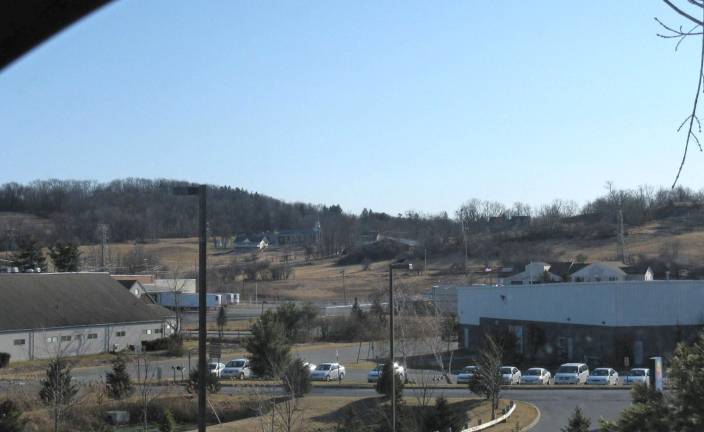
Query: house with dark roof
[[69, 314]]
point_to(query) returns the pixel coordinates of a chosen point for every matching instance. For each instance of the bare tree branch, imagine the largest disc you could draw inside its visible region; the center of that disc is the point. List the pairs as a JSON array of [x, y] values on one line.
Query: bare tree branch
[[693, 116], [683, 13]]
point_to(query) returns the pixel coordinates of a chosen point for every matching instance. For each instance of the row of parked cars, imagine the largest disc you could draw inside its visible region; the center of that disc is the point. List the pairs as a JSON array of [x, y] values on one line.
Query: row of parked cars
[[568, 373], [241, 369]]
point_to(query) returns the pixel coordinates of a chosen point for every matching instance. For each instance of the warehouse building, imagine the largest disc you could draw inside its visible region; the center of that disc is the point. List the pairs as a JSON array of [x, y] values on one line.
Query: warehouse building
[[70, 314], [621, 322]]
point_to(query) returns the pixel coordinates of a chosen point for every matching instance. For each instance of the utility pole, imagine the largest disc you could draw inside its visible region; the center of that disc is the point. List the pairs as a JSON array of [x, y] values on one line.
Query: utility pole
[[200, 191]]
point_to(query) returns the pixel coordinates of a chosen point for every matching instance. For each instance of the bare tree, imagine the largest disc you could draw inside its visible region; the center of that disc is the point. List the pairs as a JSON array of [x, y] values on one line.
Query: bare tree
[[681, 34], [145, 375], [487, 380]]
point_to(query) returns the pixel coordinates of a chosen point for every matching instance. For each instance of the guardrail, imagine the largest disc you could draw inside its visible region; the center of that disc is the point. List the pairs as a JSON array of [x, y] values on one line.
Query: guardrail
[[493, 422]]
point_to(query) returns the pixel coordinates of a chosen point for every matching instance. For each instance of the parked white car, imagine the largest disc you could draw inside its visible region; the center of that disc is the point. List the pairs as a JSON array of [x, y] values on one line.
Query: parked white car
[[328, 372], [466, 374], [310, 366], [216, 368], [572, 373], [637, 375], [603, 376], [536, 376], [510, 375], [237, 368], [374, 374]]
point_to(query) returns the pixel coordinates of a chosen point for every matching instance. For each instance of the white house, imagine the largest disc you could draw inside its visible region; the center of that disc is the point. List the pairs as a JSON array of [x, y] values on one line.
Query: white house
[[610, 271], [540, 272]]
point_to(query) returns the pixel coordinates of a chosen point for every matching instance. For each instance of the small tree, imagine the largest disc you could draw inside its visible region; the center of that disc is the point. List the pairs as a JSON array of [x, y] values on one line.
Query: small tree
[[11, 417], [649, 413], [384, 383], [443, 417], [4, 359], [29, 255], [212, 384], [221, 321], [65, 256], [167, 422], [296, 379], [118, 381], [577, 422], [57, 390], [269, 349], [487, 379]]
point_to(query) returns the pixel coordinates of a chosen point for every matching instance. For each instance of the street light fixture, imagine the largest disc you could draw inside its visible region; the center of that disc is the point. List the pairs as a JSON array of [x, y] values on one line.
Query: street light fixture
[[200, 191], [400, 265]]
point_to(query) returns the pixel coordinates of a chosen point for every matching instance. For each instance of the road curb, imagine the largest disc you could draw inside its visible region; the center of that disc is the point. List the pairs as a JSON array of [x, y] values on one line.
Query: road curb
[[535, 421]]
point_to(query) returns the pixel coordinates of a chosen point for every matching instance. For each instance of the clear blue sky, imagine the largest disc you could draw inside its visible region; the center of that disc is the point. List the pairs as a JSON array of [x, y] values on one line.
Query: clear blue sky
[[385, 105]]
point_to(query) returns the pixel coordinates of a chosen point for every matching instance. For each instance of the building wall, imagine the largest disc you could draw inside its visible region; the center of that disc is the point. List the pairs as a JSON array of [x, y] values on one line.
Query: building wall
[[613, 304], [41, 344], [604, 322], [552, 344]]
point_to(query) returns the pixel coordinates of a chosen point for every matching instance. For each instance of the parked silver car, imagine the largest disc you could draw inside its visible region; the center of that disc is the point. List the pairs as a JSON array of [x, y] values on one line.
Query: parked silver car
[[536, 376]]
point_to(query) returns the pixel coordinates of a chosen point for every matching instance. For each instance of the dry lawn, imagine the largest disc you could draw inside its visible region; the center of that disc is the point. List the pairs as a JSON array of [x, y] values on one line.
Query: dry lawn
[[324, 413]]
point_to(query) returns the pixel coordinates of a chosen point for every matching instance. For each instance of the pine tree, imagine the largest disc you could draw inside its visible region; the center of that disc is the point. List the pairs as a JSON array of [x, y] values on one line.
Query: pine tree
[[443, 417], [57, 390], [269, 349], [212, 384], [384, 383], [29, 255], [65, 256], [296, 379], [118, 381], [167, 422], [577, 422], [11, 417]]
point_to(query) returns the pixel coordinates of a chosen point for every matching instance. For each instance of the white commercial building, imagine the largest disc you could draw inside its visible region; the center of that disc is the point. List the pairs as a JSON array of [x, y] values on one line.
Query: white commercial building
[[69, 314], [584, 319]]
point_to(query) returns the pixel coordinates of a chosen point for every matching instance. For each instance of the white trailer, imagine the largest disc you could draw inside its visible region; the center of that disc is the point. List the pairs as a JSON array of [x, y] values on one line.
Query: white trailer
[[231, 298], [173, 300]]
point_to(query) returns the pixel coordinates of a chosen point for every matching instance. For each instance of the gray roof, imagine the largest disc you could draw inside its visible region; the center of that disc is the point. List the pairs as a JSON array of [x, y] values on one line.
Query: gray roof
[[49, 300]]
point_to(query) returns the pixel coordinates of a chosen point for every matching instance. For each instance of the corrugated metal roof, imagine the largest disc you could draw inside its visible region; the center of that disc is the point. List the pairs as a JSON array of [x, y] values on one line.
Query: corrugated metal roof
[[41, 301]]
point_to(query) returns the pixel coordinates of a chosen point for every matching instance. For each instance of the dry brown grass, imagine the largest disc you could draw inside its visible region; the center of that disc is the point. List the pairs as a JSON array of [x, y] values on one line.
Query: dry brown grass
[[324, 412]]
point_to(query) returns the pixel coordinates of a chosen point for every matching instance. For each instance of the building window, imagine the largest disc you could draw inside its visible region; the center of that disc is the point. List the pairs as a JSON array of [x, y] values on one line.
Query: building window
[[52, 339], [612, 279], [120, 334], [65, 338], [158, 331], [78, 337], [148, 331], [92, 336], [19, 341]]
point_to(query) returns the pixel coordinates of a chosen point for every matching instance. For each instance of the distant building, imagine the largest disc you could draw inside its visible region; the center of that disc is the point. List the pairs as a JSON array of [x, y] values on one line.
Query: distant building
[[542, 272], [171, 284], [597, 322], [69, 314], [566, 271], [610, 271], [133, 286], [251, 243]]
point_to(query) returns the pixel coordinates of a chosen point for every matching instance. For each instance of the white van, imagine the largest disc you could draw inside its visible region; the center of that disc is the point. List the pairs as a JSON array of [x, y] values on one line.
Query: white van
[[572, 373]]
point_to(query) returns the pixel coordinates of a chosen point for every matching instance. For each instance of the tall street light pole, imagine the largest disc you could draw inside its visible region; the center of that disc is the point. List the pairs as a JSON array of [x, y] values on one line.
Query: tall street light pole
[[392, 266], [200, 191]]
